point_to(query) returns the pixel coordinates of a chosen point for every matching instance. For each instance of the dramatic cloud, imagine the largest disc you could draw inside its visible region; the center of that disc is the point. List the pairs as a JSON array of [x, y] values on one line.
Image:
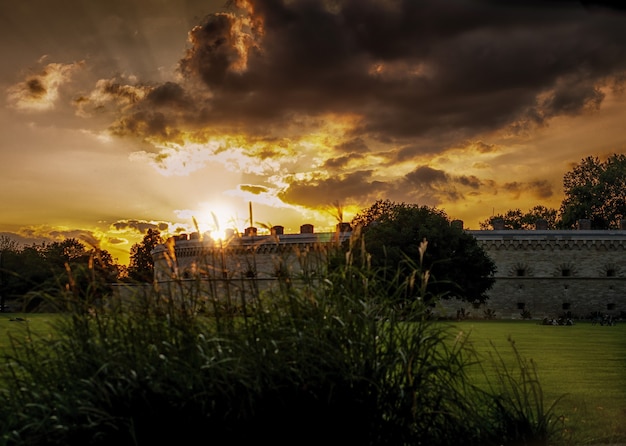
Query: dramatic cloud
[[407, 76], [140, 226], [145, 112], [40, 92], [316, 192], [540, 189]]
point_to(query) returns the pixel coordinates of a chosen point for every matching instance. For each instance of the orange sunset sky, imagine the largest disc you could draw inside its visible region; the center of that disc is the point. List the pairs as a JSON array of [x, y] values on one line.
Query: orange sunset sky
[[123, 115]]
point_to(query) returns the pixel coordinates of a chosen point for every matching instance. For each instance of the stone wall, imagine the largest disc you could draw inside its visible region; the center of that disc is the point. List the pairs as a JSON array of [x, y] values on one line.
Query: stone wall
[[260, 257], [541, 273], [552, 273]]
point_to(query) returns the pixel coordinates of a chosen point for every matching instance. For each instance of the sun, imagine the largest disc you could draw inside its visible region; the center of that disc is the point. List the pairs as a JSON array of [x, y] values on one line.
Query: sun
[[217, 221]]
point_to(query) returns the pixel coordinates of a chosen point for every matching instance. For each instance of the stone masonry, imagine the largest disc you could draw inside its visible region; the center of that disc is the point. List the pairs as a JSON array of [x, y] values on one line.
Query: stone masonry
[[540, 273]]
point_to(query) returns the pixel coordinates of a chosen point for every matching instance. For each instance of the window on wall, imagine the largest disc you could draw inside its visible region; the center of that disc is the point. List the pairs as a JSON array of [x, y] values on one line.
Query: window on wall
[[566, 272], [566, 306], [610, 270], [521, 305], [610, 307], [520, 270]]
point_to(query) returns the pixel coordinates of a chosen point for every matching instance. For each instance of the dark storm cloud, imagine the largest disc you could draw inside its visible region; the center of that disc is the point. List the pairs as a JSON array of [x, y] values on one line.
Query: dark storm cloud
[[214, 50], [405, 69], [472, 181], [341, 161], [423, 185], [425, 175], [253, 189], [358, 186], [540, 189], [353, 145], [138, 225], [36, 88], [434, 185], [483, 147], [572, 97], [160, 114], [117, 241], [170, 95]]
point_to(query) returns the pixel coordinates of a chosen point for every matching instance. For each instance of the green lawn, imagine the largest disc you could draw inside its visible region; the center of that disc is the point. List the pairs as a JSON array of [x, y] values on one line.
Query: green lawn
[[586, 363], [19, 325]]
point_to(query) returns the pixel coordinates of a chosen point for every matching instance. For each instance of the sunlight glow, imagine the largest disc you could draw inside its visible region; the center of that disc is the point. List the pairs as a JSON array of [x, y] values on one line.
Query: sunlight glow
[[217, 220]]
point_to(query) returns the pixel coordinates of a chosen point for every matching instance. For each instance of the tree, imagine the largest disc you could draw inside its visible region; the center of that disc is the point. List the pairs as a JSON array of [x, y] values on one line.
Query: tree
[[25, 270], [458, 266], [516, 219], [53, 269], [141, 266], [594, 190], [7, 247]]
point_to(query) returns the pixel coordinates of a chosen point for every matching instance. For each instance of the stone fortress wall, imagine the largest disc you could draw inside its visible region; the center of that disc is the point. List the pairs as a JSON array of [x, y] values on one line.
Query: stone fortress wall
[[540, 273], [552, 273], [263, 257]]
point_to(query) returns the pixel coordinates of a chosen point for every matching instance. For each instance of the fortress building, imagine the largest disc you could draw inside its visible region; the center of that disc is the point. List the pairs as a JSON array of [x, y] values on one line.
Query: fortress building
[[540, 273], [262, 257]]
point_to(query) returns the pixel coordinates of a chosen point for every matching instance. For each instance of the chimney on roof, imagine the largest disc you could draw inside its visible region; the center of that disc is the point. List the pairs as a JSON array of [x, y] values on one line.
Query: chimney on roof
[[541, 224], [498, 224], [622, 224], [457, 224], [250, 231], [277, 230], [306, 228], [584, 223]]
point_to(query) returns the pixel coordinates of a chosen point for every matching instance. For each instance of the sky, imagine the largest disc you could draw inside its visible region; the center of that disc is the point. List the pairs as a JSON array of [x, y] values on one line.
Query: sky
[[179, 115]]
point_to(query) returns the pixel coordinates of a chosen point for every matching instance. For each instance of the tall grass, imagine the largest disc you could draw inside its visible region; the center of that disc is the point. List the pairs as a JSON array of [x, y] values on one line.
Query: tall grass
[[319, 359]]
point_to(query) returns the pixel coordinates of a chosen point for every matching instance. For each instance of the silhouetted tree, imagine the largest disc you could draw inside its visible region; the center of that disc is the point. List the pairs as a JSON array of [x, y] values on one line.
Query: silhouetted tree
[[516, 219], [56, 268], [595, 190], [141, 266], [459, 267]]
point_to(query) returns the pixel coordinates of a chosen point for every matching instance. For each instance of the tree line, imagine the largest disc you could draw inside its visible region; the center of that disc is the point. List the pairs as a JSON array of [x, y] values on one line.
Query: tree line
[[71, 266], [594, 190]]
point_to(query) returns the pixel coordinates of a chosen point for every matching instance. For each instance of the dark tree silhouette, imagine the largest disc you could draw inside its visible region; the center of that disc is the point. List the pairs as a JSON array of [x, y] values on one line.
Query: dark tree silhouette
[[141, 266], [458, 266], [516, 219], [595, 190]]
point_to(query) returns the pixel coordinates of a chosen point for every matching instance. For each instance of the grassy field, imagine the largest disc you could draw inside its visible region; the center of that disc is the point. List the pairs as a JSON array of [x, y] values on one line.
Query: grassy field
[[585, 363]]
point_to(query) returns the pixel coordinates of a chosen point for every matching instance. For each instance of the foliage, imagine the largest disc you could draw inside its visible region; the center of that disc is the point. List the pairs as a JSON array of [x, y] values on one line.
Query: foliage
[[489, 313], [525, 314], [516, 219], [327, 359], [458, 266], [141, 266], [594, 190], [515, 402], [49, 268]]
